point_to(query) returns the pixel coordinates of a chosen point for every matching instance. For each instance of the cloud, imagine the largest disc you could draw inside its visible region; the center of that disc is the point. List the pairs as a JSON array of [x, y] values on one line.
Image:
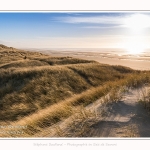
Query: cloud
[[116, 20], [106, 21], [102, 27]]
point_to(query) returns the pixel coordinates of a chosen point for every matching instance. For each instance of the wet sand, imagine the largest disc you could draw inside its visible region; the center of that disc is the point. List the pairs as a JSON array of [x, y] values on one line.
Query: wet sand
[[133, 61]]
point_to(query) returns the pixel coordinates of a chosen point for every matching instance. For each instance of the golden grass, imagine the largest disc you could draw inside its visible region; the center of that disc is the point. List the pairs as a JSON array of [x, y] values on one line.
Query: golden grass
[[43, 86], [144, 98], [56, 112], [37, 90]]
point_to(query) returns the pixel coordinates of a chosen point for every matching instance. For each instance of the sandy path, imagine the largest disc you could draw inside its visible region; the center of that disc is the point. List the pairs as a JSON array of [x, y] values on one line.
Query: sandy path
[[127, 118]]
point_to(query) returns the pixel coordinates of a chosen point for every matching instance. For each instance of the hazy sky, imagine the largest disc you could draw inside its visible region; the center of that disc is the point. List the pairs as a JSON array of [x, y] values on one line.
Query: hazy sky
[[75, 29]]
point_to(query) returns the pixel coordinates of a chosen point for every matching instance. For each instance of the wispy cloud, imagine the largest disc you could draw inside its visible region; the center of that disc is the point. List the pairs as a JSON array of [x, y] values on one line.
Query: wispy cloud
[[106, 21], [102, 27], [117, 20]]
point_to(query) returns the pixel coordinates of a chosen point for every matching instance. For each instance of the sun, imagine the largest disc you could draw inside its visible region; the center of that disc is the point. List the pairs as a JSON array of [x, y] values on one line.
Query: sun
[[134, 48], [134, 45]]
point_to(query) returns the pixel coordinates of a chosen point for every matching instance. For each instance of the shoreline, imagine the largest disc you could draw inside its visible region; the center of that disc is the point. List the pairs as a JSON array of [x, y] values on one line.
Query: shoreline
[[134, 62]]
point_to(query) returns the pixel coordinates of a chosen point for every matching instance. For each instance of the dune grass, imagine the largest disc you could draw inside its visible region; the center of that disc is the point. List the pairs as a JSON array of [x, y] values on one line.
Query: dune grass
[[144, 98], [38, 87], [38, 90], [59, 111]]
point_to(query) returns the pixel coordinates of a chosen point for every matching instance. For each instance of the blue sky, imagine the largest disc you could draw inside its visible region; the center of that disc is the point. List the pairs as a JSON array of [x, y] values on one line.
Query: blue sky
[[74, 29]]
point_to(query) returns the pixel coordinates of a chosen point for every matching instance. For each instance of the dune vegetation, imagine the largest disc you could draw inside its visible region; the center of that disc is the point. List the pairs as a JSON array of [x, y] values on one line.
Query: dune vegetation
[[37, 90]]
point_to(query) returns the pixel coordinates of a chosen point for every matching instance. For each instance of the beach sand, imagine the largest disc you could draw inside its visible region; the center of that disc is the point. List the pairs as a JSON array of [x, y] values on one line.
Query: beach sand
[[133, 61]]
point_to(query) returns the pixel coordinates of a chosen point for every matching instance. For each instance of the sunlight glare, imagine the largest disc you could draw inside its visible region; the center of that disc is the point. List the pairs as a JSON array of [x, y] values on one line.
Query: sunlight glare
[[137, 21], [135, 45]]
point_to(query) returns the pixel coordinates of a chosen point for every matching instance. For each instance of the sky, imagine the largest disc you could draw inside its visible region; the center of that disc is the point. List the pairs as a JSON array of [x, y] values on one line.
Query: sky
[[75, 29]]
